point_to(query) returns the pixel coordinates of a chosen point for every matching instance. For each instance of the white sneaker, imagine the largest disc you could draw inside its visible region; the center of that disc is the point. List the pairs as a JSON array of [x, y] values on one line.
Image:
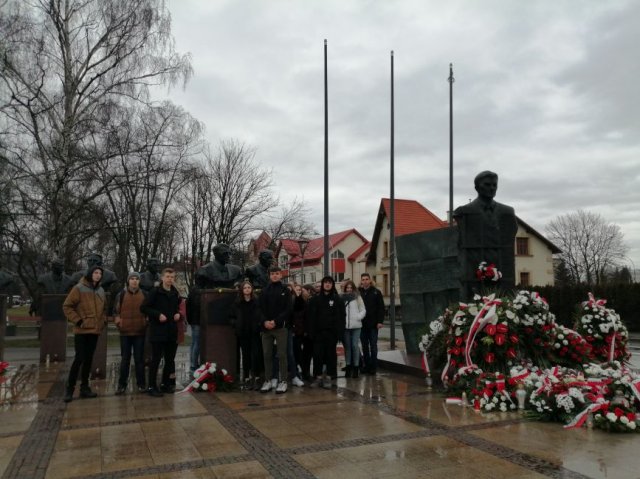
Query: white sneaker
[[296, 381], [282, 387], [274, 383], [266, 387]]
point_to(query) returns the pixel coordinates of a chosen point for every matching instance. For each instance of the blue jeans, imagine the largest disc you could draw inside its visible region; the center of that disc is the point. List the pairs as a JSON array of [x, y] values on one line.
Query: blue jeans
[[127, 343], [194, 350], [369, 339], [352, 347]]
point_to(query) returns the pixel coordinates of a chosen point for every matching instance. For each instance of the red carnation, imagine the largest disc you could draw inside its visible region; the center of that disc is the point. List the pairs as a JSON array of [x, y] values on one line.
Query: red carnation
[[618, 412], [491, 329], [511, 353], [459, 341], [489, 358], [631, 416], [500, 339], [502, 328], [514, 338]]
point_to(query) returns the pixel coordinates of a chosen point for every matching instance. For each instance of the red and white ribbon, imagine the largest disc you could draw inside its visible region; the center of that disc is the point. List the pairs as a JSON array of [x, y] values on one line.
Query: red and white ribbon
[[582, 416], [484, 316], [425, 362]]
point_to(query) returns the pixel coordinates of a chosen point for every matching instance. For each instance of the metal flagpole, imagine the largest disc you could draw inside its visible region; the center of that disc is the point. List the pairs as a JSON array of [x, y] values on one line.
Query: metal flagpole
[[326, 166], [451, 80], [392, 229]]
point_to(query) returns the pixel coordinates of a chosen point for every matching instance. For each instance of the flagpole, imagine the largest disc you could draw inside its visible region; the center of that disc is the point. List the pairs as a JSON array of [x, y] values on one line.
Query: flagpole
[[326, 166], [392, 223], [451, 80]]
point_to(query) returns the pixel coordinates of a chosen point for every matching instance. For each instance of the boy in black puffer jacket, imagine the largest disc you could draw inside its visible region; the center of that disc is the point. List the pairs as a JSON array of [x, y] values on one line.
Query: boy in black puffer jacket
[[161, 307]]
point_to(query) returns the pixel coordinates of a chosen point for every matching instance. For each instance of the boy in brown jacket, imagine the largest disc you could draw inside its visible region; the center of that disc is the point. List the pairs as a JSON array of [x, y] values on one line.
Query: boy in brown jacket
[[132, 324], [85, 308]]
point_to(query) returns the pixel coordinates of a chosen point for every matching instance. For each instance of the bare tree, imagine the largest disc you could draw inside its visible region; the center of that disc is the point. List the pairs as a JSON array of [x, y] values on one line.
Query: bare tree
[[65, 66], [290, 221], [591, 246]]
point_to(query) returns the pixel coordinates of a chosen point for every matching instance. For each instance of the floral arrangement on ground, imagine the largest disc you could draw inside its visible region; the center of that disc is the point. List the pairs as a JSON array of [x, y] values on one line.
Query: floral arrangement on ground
[[505, 354], [209, 377]]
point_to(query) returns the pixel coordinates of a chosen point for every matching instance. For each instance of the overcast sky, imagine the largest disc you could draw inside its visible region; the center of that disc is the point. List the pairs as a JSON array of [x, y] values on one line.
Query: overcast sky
[[546, 94]]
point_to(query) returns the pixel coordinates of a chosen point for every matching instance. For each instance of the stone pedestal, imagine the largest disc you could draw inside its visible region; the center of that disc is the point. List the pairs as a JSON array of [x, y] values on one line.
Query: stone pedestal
[[429, 279], [53, 328], [3, 323], [218, 342]]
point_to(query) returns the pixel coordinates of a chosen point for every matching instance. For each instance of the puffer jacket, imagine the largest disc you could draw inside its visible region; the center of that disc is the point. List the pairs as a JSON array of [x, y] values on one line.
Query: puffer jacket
[[355, 312], [85, 308], [132, 322]]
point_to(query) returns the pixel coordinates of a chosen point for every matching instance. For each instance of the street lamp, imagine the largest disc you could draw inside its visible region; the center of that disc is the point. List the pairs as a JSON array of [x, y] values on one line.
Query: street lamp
[[302, 244]]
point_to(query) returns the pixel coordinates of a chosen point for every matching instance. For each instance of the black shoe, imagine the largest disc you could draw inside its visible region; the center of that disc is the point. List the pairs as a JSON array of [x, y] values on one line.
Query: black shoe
[[154, 393], [370, 372], [347, 371], [355, 372], [344, 368], [87, 393], [68, 395], [142, 389], [120, 391]]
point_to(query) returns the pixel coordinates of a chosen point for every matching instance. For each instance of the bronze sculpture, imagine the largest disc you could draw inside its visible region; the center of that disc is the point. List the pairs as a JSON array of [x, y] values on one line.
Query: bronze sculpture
[[53, 282], [486, 233], [109, 279], [219, 273], [151, 277], [258, 274]]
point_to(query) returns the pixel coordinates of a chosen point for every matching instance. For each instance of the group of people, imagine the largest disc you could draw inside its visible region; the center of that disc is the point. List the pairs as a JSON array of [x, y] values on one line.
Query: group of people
[[161, 310], [287, 328], [281, 331]]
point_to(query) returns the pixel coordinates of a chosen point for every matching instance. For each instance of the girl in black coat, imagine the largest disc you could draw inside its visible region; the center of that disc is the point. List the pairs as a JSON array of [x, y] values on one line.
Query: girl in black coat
[[326, 326], [247, 319]]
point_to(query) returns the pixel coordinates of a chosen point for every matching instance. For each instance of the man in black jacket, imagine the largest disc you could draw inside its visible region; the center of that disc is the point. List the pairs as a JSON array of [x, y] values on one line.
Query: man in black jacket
[[161, 307], [372, 322], [276, 305]]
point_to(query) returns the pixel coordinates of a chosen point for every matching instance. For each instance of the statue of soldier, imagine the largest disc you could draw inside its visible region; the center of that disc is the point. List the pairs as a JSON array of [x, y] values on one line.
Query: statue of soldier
[[258, 274], [7, 283], [151, 277], [219, 273], [53, 282], [486, 233], [109, 279]]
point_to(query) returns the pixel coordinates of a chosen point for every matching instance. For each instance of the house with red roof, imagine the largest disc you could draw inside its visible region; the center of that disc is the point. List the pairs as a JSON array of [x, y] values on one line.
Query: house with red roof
[[410, 217], [261, 242], [346, 251]]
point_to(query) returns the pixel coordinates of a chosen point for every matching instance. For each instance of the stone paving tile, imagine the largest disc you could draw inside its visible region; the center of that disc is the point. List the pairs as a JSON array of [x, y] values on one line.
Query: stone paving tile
[[8, 447]]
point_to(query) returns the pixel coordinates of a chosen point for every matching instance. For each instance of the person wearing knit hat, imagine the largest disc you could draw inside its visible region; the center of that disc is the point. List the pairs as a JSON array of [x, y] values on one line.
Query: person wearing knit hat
[[85, 308], [132, 324]]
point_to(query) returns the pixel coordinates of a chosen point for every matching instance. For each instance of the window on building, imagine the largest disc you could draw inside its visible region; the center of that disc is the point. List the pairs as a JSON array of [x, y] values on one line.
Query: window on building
[[337, 254], [385, 284], [302, 276], [284, 259], [312, 279], [522, 246], [338, 277], [525, 279], [385, 249]]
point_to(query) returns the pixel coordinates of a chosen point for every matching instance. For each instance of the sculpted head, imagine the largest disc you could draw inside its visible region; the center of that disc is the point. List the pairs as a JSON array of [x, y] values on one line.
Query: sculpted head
[[486, 183], [153, 265], [94, 259], [222, 253], [57, 266], [266, 257]]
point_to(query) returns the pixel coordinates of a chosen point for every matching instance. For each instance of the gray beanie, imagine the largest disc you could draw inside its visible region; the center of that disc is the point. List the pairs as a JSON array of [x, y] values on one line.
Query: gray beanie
[[133, 274]]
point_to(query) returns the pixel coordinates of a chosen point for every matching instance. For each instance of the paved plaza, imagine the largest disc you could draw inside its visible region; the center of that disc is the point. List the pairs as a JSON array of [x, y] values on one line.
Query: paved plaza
[[372, 427]]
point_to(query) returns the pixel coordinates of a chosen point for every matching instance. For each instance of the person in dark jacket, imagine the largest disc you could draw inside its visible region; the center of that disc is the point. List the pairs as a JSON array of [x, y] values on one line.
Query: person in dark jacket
[[161, 306], [302, 344], [326, 326], [372, 322], [193, 318], [275, 304], [132, 324], [247, 320], [85, 308]]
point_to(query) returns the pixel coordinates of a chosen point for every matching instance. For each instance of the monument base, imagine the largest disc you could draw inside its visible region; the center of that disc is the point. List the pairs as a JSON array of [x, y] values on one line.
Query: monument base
[[218, 343]]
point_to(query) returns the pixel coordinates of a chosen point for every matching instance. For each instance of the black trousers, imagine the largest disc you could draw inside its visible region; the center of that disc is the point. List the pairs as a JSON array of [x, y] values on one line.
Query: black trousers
[[85, 346], [324, 353], [303, 352], [163, 350]]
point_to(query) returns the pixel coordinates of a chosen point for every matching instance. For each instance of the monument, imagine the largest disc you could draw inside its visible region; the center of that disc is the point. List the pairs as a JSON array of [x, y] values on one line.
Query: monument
[[438, 267], [258, 274], [486, 233], [215, 296], [53, 282], [109, 280]]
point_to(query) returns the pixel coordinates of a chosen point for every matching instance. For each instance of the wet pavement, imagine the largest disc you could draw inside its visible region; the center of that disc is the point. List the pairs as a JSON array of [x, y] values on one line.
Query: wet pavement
[[372, 427]]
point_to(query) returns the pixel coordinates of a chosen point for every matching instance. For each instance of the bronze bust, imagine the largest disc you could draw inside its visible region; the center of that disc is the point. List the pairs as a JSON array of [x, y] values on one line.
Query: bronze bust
[[219, 273], [258, 274], [109, 278], [151, 277], [53, 282]]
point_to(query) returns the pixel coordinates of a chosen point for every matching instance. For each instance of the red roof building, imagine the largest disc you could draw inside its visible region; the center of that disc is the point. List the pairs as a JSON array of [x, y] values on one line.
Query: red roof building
[[342, 247]]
